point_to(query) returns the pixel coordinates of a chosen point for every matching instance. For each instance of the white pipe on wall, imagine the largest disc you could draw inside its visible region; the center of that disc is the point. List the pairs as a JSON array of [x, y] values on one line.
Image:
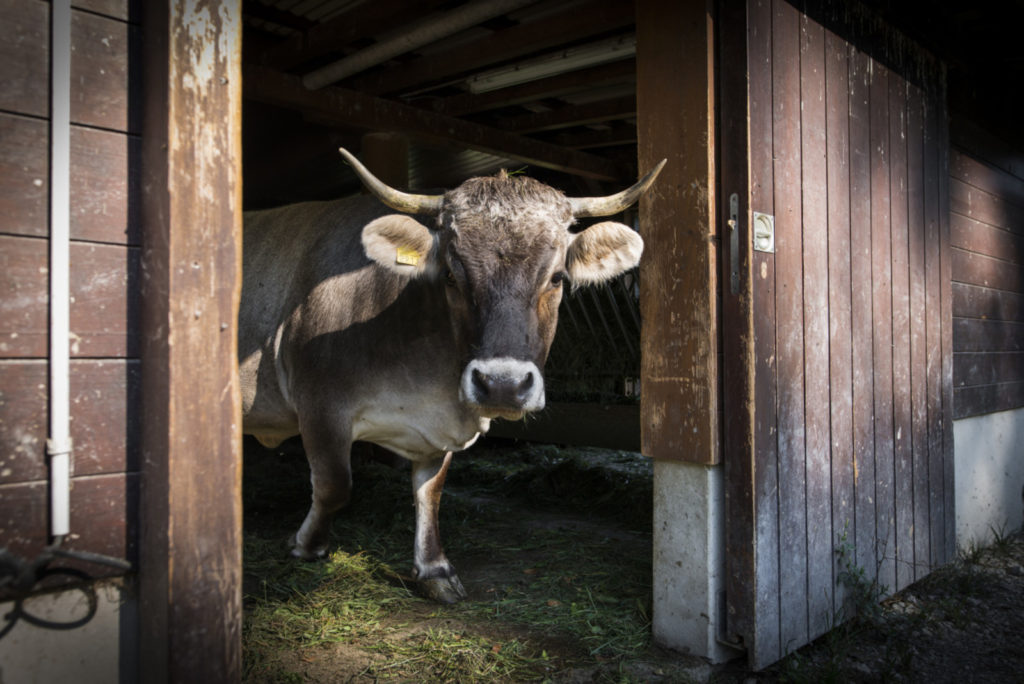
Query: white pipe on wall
[[58, 445]]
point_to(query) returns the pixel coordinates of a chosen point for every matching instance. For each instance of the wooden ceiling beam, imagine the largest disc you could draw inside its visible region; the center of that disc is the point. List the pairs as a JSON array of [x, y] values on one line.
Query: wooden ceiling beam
[[616, 134], [347, 108], [573, 24], [364, 21], [257, 10], [615, 73], [571, 115]]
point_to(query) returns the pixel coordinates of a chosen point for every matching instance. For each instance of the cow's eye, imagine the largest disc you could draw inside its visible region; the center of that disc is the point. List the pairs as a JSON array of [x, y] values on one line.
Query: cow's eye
[[558, 278], [449, 278]]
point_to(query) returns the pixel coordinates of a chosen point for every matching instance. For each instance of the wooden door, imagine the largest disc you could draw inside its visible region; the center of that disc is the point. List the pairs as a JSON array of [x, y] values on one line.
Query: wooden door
[[837, 357]]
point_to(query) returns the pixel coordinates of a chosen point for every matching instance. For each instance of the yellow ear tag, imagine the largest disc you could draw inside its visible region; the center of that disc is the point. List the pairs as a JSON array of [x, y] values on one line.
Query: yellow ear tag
[[408, 256]]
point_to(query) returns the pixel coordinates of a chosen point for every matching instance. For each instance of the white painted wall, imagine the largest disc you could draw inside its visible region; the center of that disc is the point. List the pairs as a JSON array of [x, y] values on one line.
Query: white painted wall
[[989, 475], [103, 650], [689, 558]]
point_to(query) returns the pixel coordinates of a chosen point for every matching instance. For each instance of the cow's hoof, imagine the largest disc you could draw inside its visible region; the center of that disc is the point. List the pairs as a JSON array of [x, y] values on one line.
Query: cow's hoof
[[443, 589], [299, 551]]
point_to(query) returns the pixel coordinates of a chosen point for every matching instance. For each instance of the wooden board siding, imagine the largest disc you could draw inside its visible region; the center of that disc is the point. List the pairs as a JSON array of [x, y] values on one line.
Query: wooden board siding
[[934, 290], [737, 313], [104, 199], [860, 528], [765, 527], [104, 305], [117, 9], [987, 261], [102, 205], [24, 192], [25, 57], [102, 52], [792, 552], [105, 374], [880, 285], [851, 465], [105, 433], [814, 181], [840, 311], [104, 519], [922, 523]]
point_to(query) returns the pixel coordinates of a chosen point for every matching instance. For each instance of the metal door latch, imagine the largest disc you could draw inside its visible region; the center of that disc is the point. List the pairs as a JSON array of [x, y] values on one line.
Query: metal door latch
[[734, 242]]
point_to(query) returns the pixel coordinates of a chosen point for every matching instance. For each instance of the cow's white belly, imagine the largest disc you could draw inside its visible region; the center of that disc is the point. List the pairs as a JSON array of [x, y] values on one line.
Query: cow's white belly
[[417, 427]]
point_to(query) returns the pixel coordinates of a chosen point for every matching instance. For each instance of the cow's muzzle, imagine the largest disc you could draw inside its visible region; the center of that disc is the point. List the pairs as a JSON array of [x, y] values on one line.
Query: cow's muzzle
[[503, 387]]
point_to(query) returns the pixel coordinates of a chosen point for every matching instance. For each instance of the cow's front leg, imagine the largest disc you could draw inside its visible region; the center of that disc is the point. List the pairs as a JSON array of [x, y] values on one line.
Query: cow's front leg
[[328, 450], [435, 574]]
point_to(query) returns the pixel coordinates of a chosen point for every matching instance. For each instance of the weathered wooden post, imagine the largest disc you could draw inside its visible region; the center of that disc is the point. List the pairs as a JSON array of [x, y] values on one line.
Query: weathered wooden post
[[679, 383], [190, 543]]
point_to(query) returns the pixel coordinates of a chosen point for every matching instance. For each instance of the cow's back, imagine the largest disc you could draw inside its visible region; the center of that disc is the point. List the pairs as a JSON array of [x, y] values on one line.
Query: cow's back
[[287, 253]]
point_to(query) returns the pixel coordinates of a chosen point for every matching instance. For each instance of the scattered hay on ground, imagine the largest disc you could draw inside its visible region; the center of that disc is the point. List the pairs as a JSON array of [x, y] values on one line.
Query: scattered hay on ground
[[554, 548], [552, 545]]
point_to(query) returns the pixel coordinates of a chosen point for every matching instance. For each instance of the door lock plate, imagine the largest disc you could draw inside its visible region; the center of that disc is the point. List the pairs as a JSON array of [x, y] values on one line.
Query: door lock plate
[[764, 232]]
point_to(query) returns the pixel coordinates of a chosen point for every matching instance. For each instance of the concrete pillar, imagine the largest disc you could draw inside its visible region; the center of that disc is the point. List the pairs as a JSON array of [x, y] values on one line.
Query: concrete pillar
[[989, 476], [689, 558]]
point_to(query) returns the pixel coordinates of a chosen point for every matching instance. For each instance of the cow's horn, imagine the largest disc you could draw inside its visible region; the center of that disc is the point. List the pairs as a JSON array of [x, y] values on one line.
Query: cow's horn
[[396, 199], [613, 204]]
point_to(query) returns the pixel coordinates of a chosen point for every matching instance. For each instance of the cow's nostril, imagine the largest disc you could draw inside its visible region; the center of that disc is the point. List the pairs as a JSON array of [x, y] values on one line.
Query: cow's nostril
[[503, 384], [525, 386], [480, 383]]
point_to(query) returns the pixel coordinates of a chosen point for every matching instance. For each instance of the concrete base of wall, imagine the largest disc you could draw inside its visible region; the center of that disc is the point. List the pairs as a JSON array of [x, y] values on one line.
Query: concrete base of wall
[[103, 649], [689, 559], [989, 472]]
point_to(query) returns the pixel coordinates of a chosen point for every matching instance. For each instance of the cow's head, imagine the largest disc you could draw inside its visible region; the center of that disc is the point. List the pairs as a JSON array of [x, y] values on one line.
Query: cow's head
[[503, 248]]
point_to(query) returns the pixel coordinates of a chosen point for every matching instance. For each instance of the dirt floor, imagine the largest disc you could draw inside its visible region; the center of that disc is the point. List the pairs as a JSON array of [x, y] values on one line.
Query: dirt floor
[[963, 623], [553, 546]]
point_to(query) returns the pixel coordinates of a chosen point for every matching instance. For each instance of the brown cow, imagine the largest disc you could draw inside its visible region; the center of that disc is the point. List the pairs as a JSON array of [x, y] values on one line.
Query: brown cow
[[357, 324]]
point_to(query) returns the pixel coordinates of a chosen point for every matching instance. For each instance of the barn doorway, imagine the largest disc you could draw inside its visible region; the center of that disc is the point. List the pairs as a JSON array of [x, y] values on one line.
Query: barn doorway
[[426, 119]]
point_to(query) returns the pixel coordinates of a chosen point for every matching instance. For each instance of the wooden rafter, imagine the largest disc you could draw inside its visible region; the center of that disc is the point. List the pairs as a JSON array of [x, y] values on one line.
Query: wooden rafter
[[572, 115], [257, 10], [355, 109], [615, 73], [619, 133], [367, 19], [573, 24]]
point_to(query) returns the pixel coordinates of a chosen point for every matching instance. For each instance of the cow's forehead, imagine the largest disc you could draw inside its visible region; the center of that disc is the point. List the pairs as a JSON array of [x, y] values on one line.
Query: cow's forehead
[[508, 240], [496, 203]]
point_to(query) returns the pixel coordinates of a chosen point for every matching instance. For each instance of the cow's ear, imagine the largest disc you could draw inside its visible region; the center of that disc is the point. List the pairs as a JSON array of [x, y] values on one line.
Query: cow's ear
[[400, 244], [601, 252]]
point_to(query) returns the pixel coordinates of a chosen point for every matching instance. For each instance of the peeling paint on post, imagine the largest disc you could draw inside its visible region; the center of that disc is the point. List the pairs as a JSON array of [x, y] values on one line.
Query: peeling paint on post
[[190, 572], [677, 221]]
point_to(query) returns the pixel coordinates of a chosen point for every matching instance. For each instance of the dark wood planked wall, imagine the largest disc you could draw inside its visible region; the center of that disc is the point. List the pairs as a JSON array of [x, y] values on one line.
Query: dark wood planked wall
[[987, 238], [851, 465], [105, 388]]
